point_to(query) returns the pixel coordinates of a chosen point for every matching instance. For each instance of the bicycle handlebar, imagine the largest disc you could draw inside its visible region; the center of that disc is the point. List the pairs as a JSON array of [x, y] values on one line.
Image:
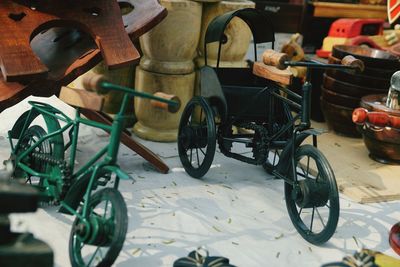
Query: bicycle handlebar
[[100, 84], [281, 61]]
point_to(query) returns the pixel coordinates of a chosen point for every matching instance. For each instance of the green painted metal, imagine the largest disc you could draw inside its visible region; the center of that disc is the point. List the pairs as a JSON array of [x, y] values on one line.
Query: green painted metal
[[94, 173]]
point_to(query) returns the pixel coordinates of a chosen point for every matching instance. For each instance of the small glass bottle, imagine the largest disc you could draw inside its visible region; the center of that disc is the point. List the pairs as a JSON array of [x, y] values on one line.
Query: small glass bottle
[[393, 98]]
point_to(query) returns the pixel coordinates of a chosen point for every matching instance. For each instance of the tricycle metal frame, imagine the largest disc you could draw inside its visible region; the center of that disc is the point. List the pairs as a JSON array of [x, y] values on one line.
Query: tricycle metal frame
[[276, 120]]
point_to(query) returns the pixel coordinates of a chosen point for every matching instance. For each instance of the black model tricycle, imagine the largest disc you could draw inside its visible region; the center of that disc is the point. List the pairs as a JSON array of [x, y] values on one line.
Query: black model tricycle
[[272, 121]]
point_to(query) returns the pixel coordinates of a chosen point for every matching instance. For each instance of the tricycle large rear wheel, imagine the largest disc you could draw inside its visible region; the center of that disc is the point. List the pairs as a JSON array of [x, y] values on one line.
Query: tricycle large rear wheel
[[44, 158], [313, 200], [197, 137], [98, 240]]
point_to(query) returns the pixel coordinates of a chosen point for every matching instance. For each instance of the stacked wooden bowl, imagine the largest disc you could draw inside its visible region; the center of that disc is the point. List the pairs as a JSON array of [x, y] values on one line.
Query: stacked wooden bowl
[[382, 142], [342, 91]]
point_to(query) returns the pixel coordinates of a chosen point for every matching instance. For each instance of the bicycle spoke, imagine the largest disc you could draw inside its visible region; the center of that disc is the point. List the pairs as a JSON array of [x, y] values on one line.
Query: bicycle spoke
[[308, 166], [198, 160], [94, 254], [320, 217], [191, 156], [202, 151], [105, 209], [312, 219], [301, 175], [82, 245], [300, 211]]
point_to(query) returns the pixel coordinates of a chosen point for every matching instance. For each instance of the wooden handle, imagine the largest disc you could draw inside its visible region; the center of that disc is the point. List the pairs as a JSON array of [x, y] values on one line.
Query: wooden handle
[[354, 62], [165, 106], [92, 82], [376, 118], [359, 115], [276, 59]]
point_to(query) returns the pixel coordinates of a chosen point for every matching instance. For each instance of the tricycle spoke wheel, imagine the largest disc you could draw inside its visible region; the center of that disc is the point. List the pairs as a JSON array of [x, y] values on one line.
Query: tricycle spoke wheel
[[196, 137], [98, 241], [313, 200]]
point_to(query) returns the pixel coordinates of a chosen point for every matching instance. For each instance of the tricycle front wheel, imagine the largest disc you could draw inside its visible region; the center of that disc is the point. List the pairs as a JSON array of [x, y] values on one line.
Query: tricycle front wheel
[[313, 200], [197, 137], [98, 240]]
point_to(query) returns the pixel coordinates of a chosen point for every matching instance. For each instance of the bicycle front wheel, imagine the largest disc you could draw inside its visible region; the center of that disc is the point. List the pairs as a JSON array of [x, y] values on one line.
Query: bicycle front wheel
[[313, 200], [98, 240]]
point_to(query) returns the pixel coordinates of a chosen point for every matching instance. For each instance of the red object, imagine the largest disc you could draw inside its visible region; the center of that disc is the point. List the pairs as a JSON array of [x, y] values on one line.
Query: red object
[[378, 119], [323, 53], [394, 122], [359, 115], [354, 32], [394, 237], [349, 28], [393, 8]]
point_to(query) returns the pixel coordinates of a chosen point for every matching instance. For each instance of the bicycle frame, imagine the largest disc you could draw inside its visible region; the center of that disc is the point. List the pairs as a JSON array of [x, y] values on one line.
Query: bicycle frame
[[110, 151], [302, 105]]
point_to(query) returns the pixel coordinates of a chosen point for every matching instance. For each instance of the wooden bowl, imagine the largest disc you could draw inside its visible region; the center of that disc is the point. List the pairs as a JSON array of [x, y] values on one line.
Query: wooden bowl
[[373, 58], [360, 80], [339, 119], [383, 144], [368, 71], [349, 89], [340, 99]]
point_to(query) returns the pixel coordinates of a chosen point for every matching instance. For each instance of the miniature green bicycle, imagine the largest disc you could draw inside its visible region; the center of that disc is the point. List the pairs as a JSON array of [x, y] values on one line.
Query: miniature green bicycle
[[100, 226]]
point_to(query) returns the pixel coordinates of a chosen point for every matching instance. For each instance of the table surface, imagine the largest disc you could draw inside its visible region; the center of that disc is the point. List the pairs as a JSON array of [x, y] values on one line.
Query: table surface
[[236, 211]]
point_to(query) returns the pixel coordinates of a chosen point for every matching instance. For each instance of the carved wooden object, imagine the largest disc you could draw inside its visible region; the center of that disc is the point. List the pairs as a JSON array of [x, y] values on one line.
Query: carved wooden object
[[100, 18], [43, 61]]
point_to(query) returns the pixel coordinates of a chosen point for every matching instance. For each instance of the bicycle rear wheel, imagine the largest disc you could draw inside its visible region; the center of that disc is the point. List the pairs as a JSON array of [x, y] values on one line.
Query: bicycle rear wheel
[[99, 240], [197, 137], [44, 158], [313, 201]]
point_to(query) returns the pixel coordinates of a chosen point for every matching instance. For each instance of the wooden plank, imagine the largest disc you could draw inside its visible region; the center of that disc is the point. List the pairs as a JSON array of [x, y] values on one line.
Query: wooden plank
[[341, 10], [143, 151], [82, 98], [358, 176], [272, 73]]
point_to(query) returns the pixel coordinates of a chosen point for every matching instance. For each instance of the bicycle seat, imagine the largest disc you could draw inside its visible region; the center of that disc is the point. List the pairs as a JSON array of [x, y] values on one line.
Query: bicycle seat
[[82, 98], [272, 73]]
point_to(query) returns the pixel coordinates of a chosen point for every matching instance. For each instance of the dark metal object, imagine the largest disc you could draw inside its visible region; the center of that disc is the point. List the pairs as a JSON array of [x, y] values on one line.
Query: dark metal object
[[235, 98], [197, 259], [20, 249]]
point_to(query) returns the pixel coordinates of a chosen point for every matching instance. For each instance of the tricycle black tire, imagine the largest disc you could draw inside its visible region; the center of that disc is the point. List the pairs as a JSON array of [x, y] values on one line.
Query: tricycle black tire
[[327, 197], [197, 133]]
